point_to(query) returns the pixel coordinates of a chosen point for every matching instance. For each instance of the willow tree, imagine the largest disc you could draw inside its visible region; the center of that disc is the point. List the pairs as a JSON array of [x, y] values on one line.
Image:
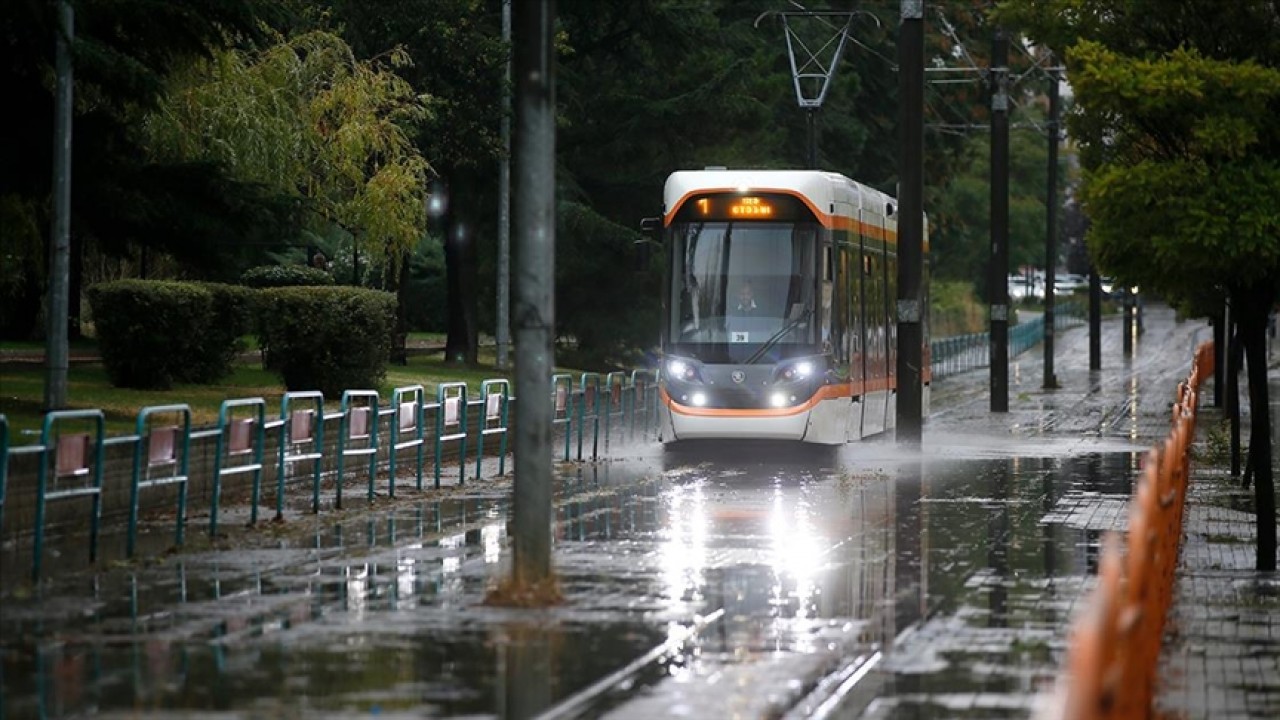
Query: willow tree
[[1174, 115], [305, 117]]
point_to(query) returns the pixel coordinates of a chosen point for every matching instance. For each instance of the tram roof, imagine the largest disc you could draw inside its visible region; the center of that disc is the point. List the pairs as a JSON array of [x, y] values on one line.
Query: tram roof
[[822, 189]]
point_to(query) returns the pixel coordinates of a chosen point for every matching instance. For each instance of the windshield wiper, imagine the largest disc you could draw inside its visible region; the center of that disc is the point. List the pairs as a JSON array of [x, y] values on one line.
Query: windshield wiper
[[792, 324]]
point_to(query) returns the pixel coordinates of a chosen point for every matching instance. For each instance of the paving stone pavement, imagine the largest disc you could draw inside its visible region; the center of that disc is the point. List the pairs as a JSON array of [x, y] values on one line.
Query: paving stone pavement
[[1221, 656]]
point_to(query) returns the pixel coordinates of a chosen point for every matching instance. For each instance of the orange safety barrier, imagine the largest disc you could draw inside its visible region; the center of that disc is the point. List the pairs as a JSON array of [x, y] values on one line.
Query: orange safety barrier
[[1115, 642]]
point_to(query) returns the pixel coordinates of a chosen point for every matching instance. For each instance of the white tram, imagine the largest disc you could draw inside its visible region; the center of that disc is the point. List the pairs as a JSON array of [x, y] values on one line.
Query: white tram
[[779, 307]]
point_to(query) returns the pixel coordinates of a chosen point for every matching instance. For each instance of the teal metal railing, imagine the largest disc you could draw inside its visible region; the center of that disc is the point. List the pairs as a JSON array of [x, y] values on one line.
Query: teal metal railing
[[357, 437], [77, 472], [238, 438], [495, 399], [166, 450], [451, 424], [952, 355]]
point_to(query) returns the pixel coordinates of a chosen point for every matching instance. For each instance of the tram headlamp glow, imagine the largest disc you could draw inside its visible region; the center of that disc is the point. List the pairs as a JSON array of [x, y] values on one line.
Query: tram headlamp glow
[[699, 399], [681, 370], [778, 400], [798, 371]]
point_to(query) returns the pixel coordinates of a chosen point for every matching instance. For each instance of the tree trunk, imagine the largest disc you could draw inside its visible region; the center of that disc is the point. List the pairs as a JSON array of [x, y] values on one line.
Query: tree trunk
[[1219, 368], [460, 270], [1252, 314], [1235, 354], [400, 333], [75, 287]]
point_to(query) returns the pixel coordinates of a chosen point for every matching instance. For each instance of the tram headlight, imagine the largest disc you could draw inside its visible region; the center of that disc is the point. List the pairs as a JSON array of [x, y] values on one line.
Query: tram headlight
[[778, 400], [797, 371], [681, 370], [698, 399]]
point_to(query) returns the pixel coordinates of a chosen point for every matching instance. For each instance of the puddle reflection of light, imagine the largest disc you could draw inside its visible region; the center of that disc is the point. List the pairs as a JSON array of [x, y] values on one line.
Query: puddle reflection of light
[[674, 658], [491, 538], [452, 563], [405, 574], [1133, 407], [684, 554], [357, 589], [797, 558]]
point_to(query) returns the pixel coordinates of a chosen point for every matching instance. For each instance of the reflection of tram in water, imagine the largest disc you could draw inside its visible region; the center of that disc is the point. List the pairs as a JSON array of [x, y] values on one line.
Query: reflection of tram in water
[[779, 307]]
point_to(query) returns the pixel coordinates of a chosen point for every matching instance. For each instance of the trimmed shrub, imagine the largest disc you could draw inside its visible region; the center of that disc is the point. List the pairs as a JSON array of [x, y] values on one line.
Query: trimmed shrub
[[327, 338], [152, 333], [269, 276], [217, 342]]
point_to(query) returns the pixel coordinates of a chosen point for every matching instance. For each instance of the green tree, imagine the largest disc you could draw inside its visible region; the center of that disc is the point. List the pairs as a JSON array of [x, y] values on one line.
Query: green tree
[[306, 118], [459, 61], [121, 201], [1175, 108], [960, 221], [644, 87]]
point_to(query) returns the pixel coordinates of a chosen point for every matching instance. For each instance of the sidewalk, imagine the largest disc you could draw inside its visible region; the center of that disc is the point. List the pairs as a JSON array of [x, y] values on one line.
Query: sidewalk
[[1221, 655]]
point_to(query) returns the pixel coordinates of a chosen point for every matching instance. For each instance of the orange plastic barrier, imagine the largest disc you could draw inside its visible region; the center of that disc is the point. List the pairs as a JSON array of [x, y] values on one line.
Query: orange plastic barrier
[[1115, 642]]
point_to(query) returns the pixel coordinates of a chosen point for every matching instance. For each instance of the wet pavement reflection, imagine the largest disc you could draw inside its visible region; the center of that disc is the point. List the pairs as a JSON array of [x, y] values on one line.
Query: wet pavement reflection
[[749, 580], [939, 578]]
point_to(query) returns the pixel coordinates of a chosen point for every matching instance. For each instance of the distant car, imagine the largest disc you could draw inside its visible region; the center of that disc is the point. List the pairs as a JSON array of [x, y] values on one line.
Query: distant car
[[1022, 288], [1068, 283]]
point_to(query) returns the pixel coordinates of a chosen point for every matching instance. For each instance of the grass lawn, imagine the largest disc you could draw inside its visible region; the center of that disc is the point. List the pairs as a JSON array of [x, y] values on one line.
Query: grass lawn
[[22, 390]]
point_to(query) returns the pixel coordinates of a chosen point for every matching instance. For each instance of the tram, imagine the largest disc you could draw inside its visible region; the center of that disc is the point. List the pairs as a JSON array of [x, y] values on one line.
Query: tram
[[779, 307]]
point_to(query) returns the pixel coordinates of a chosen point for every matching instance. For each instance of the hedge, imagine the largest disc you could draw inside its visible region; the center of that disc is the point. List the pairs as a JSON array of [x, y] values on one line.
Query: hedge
[[269, 276], [326, 338], [152, 333]]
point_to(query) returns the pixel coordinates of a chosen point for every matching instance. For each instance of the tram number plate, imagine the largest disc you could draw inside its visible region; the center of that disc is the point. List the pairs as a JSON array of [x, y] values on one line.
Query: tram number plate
[[739, 337]]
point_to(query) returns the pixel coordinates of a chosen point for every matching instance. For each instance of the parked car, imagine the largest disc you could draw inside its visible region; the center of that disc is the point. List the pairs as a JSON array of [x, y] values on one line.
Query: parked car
[[1068, 283], [1022, 287]]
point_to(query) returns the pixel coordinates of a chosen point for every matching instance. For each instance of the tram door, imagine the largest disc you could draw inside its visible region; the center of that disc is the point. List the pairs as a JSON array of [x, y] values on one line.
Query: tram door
[[846, 338], [875, 327]]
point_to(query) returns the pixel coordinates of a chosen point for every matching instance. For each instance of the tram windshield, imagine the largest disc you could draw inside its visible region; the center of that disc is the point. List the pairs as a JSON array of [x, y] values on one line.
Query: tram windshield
[[743, 291]]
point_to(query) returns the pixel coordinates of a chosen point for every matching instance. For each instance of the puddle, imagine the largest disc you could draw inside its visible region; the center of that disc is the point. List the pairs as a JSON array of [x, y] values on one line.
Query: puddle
[[971, 565]]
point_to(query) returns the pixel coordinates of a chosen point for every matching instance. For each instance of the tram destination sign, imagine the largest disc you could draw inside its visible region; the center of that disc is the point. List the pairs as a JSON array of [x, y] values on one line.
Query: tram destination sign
[[743, 206]]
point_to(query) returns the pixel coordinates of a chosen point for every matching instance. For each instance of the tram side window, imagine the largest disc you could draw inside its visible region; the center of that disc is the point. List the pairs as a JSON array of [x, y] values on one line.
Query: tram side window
[[852, 258], [840, 308], [874, 279], [891, 303]]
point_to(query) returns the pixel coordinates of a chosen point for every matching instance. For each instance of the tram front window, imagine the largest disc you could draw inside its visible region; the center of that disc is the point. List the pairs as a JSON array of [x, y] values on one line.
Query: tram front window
[[740, 287]]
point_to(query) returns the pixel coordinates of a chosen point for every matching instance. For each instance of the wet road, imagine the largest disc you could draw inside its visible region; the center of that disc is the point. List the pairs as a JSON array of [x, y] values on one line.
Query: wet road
[[748, 581]]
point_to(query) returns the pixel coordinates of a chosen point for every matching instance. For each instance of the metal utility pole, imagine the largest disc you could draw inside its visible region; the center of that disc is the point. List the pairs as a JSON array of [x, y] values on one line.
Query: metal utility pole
[[1127, 325], [910, 356], [57, 307], [1095, 319], [503, 329], [810, 73], [534, 307], [1051, 232], [1219, 344], [999, 269]]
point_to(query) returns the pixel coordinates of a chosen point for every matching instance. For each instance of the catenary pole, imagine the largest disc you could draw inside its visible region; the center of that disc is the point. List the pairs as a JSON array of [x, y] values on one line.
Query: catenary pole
[[57, 307], [534, 307], [1127, 324], [1051, 233], [910, 222], [999, 269], [1095, 319], [502, 331]]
